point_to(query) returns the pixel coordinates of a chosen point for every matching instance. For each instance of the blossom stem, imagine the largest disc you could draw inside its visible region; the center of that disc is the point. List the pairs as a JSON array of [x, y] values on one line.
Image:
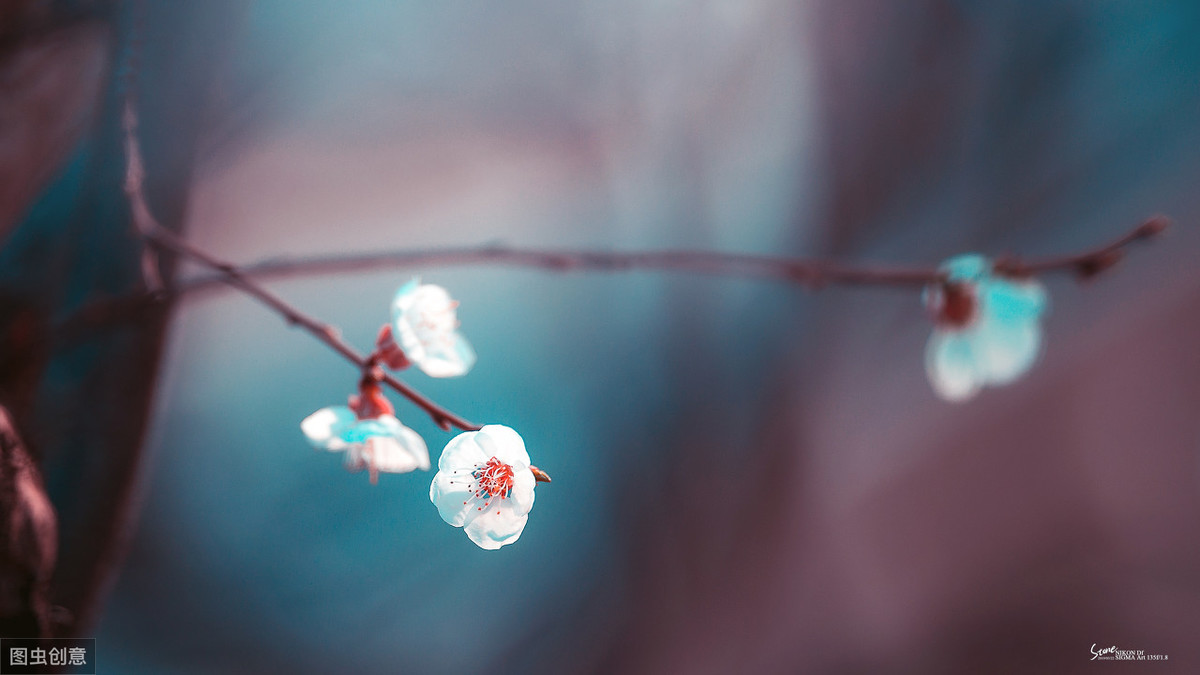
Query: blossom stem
[[231, 275]]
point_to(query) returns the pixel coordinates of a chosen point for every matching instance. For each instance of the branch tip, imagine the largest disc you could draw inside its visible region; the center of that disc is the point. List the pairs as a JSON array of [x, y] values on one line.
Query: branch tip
[[1153, 227]]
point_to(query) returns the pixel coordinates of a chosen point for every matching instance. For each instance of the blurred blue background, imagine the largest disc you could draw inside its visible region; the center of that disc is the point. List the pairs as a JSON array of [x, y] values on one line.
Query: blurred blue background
[[747, 477]]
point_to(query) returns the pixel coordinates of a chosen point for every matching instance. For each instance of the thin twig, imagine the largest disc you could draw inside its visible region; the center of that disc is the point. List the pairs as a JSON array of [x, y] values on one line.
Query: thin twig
[[234, 277], [811, 273], [1089, 263]]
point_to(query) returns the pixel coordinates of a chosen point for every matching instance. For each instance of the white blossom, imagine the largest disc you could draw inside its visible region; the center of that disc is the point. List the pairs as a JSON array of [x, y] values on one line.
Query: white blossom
[[377, 444], [484, 485], [425, 326], [988, 328]]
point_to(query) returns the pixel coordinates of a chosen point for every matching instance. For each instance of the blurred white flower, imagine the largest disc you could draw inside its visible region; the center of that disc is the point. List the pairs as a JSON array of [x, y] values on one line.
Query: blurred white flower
[[484, 485], [988, 329], [377, 444], [425, 326]]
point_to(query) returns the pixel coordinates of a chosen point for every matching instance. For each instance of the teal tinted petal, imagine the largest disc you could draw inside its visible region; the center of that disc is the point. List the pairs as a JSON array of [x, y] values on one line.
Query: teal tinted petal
[[363, 430], [967, 267], [1008, 301], [403, 297], [1007, 349]]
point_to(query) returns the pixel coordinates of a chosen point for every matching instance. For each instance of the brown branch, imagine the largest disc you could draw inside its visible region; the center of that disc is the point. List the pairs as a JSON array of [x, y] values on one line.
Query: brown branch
[[813, 274], [324, 332], [231, 275], [810, 273], [28, 539], [1089, 263]]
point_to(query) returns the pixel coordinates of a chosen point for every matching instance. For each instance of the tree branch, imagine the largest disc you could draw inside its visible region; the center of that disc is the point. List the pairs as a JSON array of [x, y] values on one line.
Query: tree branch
[[813, 274], [1089, 263], [231, 275]]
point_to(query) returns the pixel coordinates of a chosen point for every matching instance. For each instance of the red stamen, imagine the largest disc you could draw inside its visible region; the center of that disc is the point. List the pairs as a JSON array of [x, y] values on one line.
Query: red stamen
[[495, 479]]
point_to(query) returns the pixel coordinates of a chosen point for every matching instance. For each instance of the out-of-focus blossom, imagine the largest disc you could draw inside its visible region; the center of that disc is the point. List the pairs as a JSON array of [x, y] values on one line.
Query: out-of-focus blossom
[[425, 326], [484, 485], [988, 329], [379, 443]]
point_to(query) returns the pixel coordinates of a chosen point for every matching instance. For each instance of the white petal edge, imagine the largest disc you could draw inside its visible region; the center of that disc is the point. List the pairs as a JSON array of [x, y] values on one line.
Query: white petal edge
[[462, 452], [324, 428], [454, 360], [401, 453], [450, 493], [503, 443], [498, 527], [950, 365], [522, 492]]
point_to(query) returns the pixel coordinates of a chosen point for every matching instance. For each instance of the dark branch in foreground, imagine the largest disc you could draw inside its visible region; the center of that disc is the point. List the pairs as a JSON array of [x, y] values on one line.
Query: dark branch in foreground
[[813, 274]]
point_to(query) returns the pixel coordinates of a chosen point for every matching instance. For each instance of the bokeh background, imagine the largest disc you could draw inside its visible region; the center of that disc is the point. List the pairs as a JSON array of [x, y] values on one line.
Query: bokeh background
[[748, 477]]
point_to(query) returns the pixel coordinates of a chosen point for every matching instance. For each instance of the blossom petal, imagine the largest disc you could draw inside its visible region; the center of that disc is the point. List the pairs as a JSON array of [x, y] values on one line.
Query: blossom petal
[[325, 427], [424, 326], [451, 493], [522, 491], [353, 459], [1012, 300], [1005, 350], [399, 449], [950, 363], [967, 267], [499, 526], [453, 489], [462, 452], [503, 443], [404, 295], [452, 356]]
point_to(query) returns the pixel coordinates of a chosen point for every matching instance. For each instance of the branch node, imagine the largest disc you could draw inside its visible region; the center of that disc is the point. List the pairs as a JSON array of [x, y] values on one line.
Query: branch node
[[1091, 266]]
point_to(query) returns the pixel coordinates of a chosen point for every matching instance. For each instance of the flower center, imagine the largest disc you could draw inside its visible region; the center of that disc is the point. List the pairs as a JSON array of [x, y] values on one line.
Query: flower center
[[493, 479], [435, 326], [955, 305]]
